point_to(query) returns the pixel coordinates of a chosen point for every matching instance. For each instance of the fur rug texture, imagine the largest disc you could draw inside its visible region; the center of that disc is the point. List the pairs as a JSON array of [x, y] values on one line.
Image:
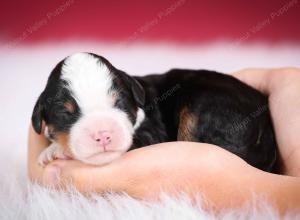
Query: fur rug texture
[[24, 71]]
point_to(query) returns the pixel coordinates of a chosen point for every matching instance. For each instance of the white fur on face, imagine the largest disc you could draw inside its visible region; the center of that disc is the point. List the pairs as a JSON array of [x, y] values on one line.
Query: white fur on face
[[46, 132], [140, 116], [90, 82]]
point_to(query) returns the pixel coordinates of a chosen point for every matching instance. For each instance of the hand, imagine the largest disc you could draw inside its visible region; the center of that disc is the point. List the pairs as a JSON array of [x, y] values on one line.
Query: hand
[[171, 167], [282, 86]]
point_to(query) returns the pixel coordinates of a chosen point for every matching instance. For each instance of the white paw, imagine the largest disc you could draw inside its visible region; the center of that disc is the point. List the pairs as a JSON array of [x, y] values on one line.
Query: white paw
[[51, 153]]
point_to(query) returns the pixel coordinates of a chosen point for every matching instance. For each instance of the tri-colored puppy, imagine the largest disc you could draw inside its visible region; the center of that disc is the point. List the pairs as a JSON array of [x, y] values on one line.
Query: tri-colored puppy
[[95, 112]]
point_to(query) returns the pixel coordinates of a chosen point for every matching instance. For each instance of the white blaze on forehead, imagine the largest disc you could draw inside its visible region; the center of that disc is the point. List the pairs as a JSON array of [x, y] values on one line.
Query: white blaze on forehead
[[89, 80]]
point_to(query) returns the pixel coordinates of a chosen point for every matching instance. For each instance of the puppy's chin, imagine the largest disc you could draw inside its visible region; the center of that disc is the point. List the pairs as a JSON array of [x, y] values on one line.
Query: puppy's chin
[[100, 158]]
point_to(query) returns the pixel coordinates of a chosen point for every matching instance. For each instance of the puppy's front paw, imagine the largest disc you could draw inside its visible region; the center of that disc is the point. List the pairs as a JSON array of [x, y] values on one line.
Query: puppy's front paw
[[51, 153]]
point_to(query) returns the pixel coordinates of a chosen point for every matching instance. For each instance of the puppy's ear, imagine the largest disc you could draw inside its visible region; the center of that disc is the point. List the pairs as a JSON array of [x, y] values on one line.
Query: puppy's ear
[[36, 118], [136, 88], [138, 92]]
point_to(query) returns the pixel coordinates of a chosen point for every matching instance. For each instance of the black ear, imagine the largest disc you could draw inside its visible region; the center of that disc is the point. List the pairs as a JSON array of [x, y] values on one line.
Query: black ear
[[37, 118], [138, 92], [136, 88]]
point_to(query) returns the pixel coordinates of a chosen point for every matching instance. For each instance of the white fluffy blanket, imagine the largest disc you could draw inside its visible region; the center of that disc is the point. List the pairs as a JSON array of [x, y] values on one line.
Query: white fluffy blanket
[[23, 74]]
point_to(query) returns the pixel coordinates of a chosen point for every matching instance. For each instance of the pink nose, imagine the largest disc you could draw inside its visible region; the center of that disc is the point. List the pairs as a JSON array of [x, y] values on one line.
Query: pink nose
[[103, 138]]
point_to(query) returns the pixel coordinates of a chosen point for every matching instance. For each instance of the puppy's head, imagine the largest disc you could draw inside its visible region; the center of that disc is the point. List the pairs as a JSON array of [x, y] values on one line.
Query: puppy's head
[[90, 108]]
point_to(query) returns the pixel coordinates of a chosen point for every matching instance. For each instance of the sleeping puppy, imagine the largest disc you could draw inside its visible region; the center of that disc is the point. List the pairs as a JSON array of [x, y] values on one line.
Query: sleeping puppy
[[94, 112]]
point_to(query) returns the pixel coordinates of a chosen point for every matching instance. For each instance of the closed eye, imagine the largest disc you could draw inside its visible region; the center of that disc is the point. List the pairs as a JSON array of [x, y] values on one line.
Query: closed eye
[[64, 113]]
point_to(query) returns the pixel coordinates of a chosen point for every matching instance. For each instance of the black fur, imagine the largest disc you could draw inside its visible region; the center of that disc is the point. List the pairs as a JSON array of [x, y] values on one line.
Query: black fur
[[50, 105], [230, 114]]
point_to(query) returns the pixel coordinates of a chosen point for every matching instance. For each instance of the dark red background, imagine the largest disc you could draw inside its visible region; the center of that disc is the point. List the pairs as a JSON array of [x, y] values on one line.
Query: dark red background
[[193, 21]]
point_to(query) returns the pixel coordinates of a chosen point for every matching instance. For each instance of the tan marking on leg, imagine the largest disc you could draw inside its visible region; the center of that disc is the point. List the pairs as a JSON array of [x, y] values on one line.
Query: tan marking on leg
[[187, 124]]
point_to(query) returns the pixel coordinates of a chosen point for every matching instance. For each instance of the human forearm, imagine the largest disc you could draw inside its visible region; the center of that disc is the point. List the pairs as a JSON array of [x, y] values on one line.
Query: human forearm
[[220, 177], [282, 191], [250, 186]]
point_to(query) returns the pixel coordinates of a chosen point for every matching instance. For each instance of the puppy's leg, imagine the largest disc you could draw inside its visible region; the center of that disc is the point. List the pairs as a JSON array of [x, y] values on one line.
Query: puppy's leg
[[187, 125], [54, 151]]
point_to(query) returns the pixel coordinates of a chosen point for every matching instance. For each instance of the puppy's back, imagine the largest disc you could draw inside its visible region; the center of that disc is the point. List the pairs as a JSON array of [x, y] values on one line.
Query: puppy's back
[[215, 108]]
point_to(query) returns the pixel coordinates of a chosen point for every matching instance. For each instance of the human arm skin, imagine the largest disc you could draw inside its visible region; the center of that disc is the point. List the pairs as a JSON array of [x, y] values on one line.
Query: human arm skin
[[221, 177]]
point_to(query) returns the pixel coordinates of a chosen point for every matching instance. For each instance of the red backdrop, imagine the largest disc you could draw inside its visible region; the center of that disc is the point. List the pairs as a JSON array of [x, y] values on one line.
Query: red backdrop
[[136, 20]]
